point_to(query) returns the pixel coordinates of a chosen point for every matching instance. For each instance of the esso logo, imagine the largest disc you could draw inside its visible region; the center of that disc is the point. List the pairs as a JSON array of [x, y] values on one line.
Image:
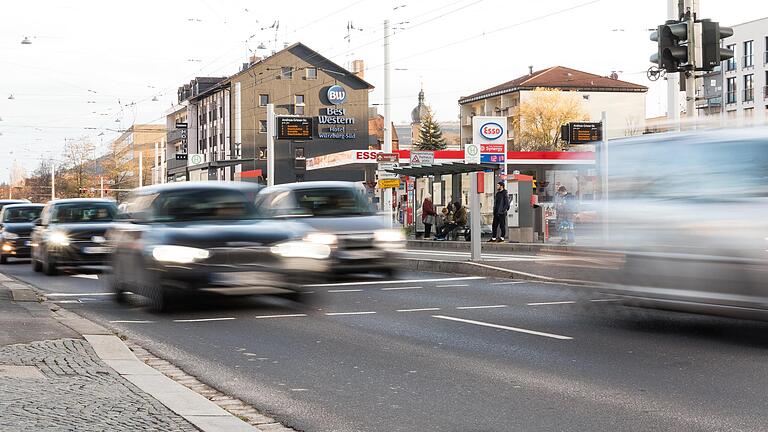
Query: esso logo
[[366, 155], [336, 94], [491, 131]]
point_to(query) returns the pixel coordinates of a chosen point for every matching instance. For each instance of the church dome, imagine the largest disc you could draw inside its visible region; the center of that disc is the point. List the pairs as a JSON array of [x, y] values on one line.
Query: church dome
[[418, 113]]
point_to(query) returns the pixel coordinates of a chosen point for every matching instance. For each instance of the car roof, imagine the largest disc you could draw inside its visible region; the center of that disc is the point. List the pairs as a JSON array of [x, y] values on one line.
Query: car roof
[[314, 185], [197, 185], [13, 201], [81, 200], [22, 205]]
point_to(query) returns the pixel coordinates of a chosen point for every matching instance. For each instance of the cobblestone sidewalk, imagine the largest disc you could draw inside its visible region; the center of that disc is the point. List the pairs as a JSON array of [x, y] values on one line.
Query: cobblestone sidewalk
[[66, 387]]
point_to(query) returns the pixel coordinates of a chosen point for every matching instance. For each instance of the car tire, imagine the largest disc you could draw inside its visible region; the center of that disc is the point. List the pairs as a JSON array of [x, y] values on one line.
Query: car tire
[[390, 272], [49, 267], [37, 267], [117, 286], [160, 297], [299, 297], [3, 259]]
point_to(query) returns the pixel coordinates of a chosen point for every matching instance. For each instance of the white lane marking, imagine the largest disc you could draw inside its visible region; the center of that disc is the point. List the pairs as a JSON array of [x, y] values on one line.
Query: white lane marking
[[396, 281], [401, 288], [85, 276], [349, 313], [482, 307], [131, 322], [514, 329], [280, 316], [605, 300], [299, 390], [451, 286], [418, 310], [550, 303], [203, 319], [507, 283], [79, 294], [66, 301], [344, 290]]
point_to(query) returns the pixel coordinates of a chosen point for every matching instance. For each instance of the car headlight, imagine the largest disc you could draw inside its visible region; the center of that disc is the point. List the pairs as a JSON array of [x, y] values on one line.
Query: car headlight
[[321, 238], [58, 238], [302, 249], [10, 236], [179, 254], [389, 235]]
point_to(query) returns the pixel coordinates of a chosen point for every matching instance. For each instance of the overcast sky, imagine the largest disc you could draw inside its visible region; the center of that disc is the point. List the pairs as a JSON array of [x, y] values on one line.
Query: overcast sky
[[95, 66]]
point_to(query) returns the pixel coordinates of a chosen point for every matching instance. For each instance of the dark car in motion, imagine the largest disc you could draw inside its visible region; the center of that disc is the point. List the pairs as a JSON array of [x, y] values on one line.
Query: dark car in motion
[[186, 238], [16, 224], [5, 202], [339, 215], [70, 233]]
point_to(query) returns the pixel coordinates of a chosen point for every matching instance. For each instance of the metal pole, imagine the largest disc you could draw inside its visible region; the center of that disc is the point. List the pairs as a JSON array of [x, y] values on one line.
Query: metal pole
[[673, 79], [474, 217], [387, 198], [156, 173], [101, 186], [53, 181], [141, 168], [694, 52], [604, 174], [270, 144]]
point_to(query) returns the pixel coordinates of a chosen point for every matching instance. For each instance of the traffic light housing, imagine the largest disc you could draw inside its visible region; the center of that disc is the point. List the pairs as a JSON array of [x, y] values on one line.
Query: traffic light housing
[[672, 53], [711, 52]]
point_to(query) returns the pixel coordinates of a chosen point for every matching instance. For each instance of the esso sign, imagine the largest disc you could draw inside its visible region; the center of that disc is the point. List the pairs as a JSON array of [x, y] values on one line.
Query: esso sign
[[366, 155], [336, 94], [491, 131]]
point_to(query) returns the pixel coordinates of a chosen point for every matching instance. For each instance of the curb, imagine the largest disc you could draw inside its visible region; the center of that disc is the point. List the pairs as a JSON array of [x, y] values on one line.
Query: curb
[[485, 270], [201, 412]]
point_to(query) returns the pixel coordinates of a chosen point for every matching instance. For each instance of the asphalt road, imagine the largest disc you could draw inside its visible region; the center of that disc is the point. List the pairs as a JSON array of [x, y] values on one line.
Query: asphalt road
[[435, 352]]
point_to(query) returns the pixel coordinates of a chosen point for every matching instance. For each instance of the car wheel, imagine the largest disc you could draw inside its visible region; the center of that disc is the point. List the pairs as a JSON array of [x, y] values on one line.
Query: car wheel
[[116, 285], [299, 297], [37, 267], [390, 272], [3, 259], [49, 267], [159, 297]]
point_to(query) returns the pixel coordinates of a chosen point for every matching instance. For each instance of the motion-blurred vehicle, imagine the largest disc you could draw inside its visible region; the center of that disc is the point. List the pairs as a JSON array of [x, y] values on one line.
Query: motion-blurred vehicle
[[16, 224], [688, 210], [184, 238], [70, 233], [341, 217], [5, 202]]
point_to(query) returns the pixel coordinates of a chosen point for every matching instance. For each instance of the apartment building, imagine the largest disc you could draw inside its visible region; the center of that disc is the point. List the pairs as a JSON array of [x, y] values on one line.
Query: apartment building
[[745, 76]]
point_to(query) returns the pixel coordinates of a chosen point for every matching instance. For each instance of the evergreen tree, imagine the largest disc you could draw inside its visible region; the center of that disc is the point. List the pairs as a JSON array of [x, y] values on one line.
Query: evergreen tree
[[430, 135]]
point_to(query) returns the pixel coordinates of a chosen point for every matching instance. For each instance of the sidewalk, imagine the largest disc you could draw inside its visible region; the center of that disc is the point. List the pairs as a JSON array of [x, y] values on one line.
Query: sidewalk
[[60, 372]]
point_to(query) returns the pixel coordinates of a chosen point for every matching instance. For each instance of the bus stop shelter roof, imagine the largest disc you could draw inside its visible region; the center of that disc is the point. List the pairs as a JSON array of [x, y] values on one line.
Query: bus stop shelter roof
[[442, 169]]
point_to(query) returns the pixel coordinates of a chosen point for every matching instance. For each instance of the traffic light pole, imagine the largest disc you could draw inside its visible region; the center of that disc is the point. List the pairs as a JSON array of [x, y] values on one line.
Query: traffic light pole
[[673, 79], [691, 7]]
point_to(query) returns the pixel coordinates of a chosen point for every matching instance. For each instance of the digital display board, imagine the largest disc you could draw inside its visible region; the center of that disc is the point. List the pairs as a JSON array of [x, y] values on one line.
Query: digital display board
[[294, 128], [583, 132]]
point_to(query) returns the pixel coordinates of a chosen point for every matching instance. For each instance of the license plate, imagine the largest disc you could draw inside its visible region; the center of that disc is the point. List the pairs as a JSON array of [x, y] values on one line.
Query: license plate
[[361, 254], [96, 250]]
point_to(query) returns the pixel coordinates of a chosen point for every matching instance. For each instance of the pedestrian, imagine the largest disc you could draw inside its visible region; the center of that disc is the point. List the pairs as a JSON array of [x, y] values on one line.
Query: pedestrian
[[428, 215], [500, 209], [456, 218], [565, 208]]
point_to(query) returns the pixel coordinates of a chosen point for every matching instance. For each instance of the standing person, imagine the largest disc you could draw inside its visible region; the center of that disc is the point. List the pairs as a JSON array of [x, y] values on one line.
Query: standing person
[[428, 215], [566, 210], [500, 209]]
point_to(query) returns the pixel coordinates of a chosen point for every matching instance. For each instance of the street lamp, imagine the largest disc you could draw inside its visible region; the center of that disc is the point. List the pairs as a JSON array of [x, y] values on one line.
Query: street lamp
[[11, 97], [26, 41], [155, 99]]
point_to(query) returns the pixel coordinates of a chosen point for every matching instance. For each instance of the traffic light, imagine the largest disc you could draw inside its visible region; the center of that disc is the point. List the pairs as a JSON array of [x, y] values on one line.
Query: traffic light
[[672, 52], [711, 52]]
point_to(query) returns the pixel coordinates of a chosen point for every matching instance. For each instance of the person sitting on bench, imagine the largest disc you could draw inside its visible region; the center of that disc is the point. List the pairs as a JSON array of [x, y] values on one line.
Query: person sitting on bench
[[459, 220]]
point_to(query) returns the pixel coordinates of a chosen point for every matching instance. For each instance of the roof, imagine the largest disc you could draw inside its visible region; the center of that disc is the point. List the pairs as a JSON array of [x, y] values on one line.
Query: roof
[[197, 185], [559, 77], [23, 205], [82, 200]]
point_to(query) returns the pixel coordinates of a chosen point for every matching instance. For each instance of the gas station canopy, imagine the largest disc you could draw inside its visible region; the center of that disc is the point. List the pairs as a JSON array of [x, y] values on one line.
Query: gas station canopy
[[442, 169]]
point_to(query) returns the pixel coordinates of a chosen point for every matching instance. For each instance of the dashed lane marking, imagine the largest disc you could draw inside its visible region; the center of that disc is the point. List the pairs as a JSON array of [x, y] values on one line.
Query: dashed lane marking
[[508, 283], [131, 322], [401, 288], [550, 303], [85, 276], [396, 281], [452, 286], [419, 309], [481, 307], [605, 300], [501, 327], [344, 290], [280, 316], [349, 313], [203, 320]]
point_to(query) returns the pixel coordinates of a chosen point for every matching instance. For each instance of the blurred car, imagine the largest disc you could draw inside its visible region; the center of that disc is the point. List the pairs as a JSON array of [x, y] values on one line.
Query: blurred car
[[340, 216], [70, 233], [5, 202], [16, 224], [184, 238], [688, 212]]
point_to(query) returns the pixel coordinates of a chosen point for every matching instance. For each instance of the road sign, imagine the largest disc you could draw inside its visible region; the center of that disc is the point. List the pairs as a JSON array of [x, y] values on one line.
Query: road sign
[[471, 153], [294, 128], [181, 125], [389, 183], [195, 159], [422, 158], [492, 148], [181, 156], [387, 157], [387, 175], [582, 132]]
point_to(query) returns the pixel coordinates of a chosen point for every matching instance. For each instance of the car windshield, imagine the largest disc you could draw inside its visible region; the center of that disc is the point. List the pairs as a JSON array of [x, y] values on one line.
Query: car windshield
[[21, 214], [84, 212], [331, 202], [195, 205]]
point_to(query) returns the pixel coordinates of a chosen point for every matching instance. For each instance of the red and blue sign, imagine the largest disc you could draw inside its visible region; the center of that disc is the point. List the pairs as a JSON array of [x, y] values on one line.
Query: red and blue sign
[[492, 158], [491, 131]]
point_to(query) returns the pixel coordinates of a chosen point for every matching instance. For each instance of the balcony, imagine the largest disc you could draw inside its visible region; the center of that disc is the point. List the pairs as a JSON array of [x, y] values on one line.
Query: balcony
[[749, 95], [176, 135]]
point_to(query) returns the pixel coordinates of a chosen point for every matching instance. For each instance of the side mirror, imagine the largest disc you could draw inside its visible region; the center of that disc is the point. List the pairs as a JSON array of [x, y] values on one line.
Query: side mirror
[[38, 222]]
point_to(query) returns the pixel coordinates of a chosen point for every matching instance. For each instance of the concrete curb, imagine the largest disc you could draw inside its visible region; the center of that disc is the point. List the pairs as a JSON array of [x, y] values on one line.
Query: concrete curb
[[485, 270], [204, 414]]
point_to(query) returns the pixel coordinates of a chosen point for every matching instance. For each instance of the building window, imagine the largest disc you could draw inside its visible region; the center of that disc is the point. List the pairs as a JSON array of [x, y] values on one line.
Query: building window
[[730, 87], [238, 151], [262, 126], [765, 88], [298, 104], [311, 73], [286, 72], [262, 153], [749, 88], [765, 54], [263, 100], [748, 54], [730, 65]]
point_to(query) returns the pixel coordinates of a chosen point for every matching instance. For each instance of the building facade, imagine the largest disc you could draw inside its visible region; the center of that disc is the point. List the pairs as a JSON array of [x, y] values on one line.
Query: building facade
[[745, 76], [142, 142]]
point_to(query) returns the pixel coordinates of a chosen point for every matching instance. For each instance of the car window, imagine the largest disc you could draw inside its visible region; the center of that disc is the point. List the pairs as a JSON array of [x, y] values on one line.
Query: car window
[[209, 204], [320, 202], [83, 212], [21, 214]]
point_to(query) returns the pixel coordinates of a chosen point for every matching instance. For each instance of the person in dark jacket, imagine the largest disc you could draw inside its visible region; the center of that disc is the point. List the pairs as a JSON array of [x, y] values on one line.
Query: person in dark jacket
[[500, 209], [566, 208], [428, 215], [458, 219]]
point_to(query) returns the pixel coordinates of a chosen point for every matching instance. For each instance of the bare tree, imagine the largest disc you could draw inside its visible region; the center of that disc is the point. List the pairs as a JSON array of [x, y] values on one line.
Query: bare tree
[[78, 161], [537, 121]]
